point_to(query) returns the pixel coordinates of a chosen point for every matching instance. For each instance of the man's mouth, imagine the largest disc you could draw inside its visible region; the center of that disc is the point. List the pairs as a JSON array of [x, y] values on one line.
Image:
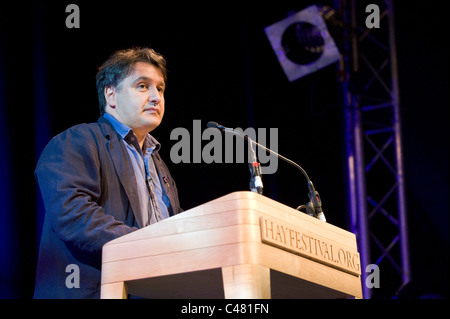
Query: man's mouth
[[151, 109]]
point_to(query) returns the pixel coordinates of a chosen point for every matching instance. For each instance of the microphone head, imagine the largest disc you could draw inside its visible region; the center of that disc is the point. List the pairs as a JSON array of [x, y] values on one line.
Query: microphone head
[[212, 124]]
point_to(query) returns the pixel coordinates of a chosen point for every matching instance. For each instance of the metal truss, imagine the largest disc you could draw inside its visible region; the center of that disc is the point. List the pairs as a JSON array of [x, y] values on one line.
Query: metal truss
[[374, 157]]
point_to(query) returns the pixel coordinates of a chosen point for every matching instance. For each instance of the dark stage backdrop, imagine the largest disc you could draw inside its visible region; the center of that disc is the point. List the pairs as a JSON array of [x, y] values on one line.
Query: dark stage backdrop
[[221, 68]]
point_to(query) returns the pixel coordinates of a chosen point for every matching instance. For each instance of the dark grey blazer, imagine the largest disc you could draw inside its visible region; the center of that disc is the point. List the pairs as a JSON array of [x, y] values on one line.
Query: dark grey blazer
[[89, 192]]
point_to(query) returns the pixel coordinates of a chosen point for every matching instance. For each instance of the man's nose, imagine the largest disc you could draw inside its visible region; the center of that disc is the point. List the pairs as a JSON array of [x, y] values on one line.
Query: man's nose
[[154, 96]]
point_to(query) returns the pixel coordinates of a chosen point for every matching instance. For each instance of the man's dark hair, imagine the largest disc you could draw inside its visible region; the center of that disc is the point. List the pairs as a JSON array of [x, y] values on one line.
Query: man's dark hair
[[120, 65]]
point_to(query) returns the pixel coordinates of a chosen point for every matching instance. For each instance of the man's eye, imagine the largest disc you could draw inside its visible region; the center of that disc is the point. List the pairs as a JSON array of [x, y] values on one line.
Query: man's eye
[[142, 86]]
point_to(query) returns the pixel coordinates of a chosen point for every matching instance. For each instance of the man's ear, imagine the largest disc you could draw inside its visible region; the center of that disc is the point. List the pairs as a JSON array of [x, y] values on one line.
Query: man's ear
[[110, 96]]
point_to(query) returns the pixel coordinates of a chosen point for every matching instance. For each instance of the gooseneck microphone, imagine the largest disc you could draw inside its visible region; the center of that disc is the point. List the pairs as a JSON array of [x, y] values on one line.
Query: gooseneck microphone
[[315, 203], [215, 125]]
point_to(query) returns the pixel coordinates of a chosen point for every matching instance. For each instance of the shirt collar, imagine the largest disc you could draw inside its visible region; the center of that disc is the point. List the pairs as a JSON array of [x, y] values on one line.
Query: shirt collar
[[150, 143], [120, 128]]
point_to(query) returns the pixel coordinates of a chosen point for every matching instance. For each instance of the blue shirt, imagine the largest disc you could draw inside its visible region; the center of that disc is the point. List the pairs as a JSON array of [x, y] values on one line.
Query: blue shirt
[[153, 201]]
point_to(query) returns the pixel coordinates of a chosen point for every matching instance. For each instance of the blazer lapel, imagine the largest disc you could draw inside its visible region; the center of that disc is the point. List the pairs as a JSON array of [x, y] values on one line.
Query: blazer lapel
[[124, 170]]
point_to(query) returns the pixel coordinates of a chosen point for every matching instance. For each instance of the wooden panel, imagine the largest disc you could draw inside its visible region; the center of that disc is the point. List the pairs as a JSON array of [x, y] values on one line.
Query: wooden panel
[[238, 201], [299, 240], [226, 234], [184, 241], [246, 281], [116, 290]]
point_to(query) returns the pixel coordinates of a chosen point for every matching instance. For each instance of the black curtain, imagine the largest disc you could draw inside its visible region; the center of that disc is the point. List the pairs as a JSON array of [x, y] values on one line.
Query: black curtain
[[221, 68]]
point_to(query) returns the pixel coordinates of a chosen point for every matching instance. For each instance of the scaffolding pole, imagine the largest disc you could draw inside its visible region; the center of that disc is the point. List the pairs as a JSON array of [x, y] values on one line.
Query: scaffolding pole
[[373, 140]]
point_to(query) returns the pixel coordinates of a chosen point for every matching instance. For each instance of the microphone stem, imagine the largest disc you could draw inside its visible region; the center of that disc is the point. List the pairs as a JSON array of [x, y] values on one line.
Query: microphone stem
[[313, 194], [281, 157]]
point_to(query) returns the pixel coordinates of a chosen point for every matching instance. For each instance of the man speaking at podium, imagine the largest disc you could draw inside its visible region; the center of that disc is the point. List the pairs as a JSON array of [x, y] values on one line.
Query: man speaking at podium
[[103, 180]]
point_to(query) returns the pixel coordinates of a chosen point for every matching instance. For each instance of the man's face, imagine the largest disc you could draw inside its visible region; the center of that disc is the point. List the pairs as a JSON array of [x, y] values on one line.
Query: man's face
[[138, 101]]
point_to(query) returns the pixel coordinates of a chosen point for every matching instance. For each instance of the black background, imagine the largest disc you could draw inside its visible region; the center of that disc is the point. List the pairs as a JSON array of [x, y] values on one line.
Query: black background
[[221, 68]]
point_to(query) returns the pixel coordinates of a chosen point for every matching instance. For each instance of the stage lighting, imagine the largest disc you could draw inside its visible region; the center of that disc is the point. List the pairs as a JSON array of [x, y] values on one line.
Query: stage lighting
[[302, 43]]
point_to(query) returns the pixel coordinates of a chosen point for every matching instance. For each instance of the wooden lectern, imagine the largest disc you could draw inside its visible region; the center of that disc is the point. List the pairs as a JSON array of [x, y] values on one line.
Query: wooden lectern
[[242, 245]]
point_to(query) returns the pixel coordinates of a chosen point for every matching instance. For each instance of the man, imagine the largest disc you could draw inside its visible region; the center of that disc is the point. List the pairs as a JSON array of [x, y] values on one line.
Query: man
[[103, 180]]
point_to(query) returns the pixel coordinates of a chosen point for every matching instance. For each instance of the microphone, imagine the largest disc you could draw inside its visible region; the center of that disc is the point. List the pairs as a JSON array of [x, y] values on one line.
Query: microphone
[[256, 184], [315, 203], [214, 125]]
